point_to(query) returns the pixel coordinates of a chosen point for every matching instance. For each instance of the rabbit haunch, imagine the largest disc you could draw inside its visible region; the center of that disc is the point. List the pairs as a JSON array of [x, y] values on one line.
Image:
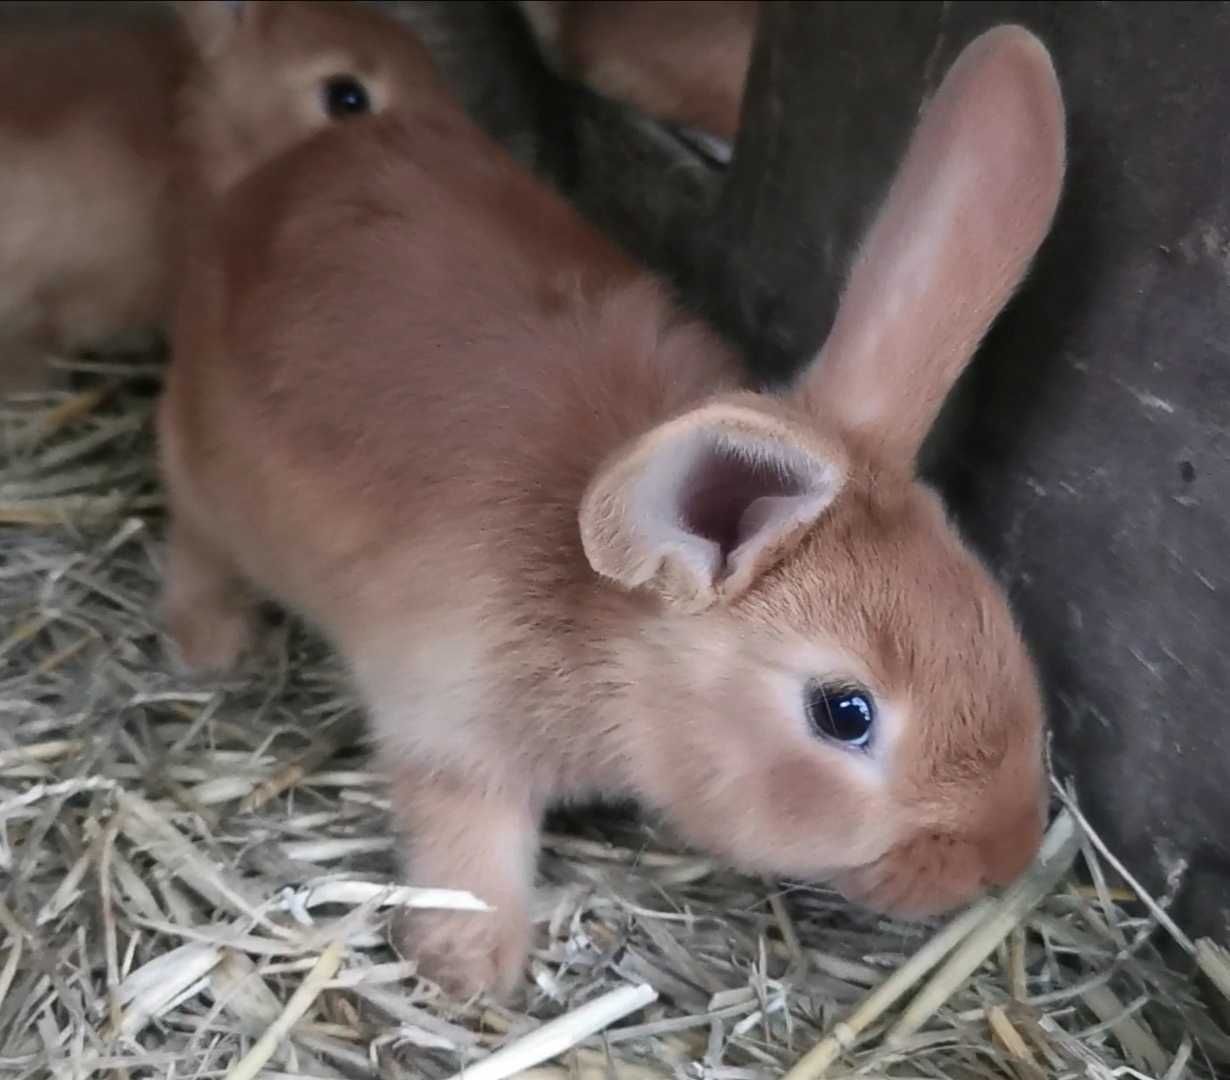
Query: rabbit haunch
[[415, 398]]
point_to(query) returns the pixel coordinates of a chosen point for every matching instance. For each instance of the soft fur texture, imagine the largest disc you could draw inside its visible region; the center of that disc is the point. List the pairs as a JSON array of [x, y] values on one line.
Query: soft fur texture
[[257, 91], [680, 62], [86, 207], [418, 400]]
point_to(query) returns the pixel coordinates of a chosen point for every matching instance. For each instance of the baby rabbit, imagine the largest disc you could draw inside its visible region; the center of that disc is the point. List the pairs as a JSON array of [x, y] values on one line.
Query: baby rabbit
[[680, 63], [271, 75], [86, 163], [418, 400]]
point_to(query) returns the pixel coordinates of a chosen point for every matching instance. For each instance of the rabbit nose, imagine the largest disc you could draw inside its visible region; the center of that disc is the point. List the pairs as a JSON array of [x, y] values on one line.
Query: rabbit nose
[[1007, 852]]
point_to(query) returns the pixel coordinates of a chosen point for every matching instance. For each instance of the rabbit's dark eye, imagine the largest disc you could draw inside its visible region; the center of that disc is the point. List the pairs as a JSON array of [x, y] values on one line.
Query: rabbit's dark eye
[[843, 714], [345, 96]]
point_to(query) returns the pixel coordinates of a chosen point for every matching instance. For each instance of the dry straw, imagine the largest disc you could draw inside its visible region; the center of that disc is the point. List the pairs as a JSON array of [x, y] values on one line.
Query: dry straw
[[195, 879]]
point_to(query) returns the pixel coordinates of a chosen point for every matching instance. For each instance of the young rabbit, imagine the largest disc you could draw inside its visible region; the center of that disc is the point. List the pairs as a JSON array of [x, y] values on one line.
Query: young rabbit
[[418, 400], [269, 76], [86, 162], [680, 63]]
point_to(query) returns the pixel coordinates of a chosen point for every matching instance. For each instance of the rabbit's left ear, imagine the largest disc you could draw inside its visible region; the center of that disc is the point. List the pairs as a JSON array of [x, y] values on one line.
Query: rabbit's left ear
[[969, 208], [701, 506]]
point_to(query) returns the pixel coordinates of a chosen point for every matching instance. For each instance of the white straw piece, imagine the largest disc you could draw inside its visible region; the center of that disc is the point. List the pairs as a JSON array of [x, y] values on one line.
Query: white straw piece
[[1214, 961], [328, 850], [52, 791], [47, 751], [155, 987], [363, 892], [561, 1034]]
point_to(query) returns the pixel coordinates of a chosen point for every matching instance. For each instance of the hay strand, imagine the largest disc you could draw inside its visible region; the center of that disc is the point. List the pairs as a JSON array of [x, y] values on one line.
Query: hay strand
[[300, 1001], [846, 1033], [1214, 961], [561, 1034], [1059, 848]]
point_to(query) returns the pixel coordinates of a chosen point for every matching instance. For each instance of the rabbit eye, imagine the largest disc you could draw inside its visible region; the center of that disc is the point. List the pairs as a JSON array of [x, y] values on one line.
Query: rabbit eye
[[843, 714], [345, 96]]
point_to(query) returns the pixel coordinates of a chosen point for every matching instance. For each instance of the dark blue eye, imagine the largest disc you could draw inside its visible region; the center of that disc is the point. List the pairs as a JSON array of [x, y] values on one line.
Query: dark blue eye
[[842, 714], [346, 96]]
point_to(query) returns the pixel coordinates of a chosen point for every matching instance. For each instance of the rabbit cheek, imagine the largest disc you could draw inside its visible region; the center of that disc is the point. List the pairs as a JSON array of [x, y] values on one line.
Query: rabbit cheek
[[813, 818], [822, 817], [790, 816]]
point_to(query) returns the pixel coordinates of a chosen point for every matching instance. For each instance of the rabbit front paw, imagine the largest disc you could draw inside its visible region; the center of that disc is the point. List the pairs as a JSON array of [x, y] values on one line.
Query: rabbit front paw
[[465, 953], [209, 615], [207, 642]]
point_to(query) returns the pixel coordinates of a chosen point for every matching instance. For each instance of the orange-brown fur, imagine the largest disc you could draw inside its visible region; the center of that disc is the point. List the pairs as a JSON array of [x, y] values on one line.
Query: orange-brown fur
[[86, 163], [256, 93], [418, 400], [678, 60]]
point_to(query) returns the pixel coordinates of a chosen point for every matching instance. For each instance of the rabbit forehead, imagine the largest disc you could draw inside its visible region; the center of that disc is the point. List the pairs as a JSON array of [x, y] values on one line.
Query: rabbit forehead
[[884, 590]]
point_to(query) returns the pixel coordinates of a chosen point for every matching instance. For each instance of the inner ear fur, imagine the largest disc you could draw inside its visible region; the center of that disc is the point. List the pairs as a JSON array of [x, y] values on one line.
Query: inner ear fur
[[700, 507]]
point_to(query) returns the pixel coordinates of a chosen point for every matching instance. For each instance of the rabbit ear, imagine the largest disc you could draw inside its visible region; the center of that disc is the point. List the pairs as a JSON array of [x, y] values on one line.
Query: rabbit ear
[[964, 217], [701, 506], [209, 23]]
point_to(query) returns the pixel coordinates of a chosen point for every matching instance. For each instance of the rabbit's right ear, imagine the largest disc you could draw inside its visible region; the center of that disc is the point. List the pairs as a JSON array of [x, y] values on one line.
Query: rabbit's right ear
[[209, 23], [702, 505], [971, 204]]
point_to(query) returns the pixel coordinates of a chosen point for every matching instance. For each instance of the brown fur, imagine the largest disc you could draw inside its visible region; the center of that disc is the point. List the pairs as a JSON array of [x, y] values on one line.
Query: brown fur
[[417, 399], [86, 162], [678, 60], [90, 174], [258, 91]]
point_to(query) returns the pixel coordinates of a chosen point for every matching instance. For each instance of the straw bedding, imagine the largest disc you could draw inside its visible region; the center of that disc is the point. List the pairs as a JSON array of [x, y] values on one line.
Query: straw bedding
[[195, 878]]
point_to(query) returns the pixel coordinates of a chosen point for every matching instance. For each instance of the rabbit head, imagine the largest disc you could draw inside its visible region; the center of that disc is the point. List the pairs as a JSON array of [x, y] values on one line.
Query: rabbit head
[[832, 685], [270, 75]]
